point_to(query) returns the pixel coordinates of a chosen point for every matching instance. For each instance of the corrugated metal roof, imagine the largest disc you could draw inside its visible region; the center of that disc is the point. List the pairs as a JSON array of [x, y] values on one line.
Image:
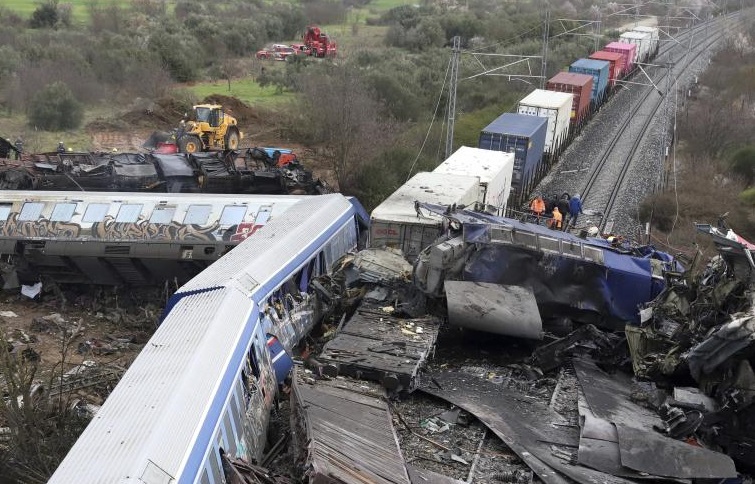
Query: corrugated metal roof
[[516, 124], [635, 35], [255, 260], [441, 188], [484, 164], [156, 409], [571, 78], [547, 99], [591, 64], [620, 46], [603, 55]]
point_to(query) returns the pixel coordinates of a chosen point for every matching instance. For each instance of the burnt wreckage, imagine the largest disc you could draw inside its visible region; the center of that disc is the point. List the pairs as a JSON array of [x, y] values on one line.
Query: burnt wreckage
[[243, 172]]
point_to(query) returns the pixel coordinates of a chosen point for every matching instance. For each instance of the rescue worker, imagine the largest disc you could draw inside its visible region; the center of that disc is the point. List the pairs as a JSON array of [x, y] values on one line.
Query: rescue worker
[[19, 144], [556, 219], [537, 207], [61, 147], [575, 208], [563, 207]]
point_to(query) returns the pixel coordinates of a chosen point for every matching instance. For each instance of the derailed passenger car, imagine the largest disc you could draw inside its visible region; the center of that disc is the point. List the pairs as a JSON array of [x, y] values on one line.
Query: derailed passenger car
[[588, 280]]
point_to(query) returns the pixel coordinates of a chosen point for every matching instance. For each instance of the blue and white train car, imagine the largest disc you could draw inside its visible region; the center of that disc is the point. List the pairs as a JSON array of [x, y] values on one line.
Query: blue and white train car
[[204, 384]]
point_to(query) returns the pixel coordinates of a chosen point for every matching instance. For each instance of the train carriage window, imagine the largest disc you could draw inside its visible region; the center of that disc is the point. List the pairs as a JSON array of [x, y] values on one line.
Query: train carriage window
[[95, 212], [232, 215], [30, 211], [63, 212], [197, 214], [4, 211], [129, 212], [162, 215]]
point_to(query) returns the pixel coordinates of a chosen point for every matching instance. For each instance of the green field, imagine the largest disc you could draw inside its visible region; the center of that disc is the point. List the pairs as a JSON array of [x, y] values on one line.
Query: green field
[[80, 7], [246, 90]]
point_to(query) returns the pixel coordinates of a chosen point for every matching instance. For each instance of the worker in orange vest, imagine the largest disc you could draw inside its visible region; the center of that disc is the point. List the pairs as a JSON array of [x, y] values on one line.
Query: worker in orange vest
[[537, 207], [557, 219]]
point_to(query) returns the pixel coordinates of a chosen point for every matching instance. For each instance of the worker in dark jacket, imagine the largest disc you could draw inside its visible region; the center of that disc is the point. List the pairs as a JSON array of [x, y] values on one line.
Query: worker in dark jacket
[[575, 208], [19, 144]]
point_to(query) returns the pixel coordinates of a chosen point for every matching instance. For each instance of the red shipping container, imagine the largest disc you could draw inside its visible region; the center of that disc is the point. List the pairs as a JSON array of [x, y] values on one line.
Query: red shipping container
[[580, 85], [627, 50], [616, 60]]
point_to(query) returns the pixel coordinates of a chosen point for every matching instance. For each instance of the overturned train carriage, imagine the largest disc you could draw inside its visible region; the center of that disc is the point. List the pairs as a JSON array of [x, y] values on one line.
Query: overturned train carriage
[[200, 392], [588, 280], [213, 172], [126, 238]]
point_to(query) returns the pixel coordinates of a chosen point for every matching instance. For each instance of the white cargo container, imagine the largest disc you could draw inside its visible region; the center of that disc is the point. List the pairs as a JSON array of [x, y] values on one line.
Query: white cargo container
[[493, 168], [654, 37], [556, 106], [642, 40], [396, 223]]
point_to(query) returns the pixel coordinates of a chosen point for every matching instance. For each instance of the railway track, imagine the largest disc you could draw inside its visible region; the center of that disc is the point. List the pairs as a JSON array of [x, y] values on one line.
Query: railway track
[[623, 125]]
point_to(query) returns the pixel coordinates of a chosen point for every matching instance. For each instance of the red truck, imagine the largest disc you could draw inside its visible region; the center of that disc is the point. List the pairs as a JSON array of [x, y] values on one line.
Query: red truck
[[317, 43]]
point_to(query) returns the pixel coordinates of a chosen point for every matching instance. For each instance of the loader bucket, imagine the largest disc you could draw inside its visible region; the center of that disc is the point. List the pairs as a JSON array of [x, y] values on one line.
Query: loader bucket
[[158, 138]]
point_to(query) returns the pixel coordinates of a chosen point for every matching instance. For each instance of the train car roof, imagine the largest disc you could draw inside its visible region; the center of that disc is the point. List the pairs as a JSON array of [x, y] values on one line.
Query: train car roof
[[591, 64], [250, 265], [153, 415], [10, 196], [547, 99], [468, 161], [516, 124]]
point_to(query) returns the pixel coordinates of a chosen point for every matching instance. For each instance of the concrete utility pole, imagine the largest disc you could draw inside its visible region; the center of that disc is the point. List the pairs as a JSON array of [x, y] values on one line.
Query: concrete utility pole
[[544, 60], [452, 96]]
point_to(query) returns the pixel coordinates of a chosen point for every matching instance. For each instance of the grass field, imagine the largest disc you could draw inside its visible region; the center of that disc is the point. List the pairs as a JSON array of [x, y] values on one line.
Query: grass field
[[80, 7], [244, 89]]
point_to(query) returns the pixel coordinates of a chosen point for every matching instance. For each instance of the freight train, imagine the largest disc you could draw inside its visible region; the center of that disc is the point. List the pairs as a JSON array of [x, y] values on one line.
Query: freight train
[[547, 119], [201, 390]]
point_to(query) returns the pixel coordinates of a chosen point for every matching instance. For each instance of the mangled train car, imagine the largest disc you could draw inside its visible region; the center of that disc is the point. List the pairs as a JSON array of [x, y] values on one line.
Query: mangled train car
[[587, 280], [126, 238], [250, 171]]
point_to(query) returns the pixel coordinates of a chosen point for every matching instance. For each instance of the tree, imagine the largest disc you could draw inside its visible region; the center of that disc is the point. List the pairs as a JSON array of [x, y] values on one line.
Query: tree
[[45, 15], [55, 108], [743, 164]]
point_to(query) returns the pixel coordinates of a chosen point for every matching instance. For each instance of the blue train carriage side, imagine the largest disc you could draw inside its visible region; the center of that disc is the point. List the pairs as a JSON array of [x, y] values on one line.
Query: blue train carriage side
[[204, 384], [600, 71], [524, 136]]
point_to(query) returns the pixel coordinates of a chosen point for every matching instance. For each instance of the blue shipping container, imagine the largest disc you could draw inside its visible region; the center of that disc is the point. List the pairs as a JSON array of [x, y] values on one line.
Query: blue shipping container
[[600, 70], [522, 135]]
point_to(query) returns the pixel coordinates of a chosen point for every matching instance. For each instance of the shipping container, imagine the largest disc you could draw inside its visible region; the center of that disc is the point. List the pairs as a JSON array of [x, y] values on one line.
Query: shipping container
[[654, 38], [642, 41], [396, 223], [580, 86], [556, 107], [615, 59], [525, 137], [599, 70], [494, 169], [628, 51]]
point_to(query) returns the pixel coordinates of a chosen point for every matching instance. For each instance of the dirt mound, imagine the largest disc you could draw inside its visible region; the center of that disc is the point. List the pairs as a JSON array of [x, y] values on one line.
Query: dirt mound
[[235, 107]]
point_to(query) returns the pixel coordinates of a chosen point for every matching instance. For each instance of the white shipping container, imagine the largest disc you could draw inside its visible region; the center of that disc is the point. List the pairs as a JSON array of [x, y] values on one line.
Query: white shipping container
[[654, 37], [493, 168], [556, 106], [642, 40], [396, 223]]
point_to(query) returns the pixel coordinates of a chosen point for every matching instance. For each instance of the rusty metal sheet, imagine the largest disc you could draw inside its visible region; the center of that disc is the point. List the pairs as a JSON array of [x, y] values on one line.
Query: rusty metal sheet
[[494, 308], [529, 428], [348, 434]]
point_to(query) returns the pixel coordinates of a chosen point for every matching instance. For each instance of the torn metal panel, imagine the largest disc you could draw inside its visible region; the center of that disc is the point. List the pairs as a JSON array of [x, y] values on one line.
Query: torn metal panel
[[494, 308], [537, 434], [382, 265], [650, 452], [377, 346], [720, 346], [343, 432]]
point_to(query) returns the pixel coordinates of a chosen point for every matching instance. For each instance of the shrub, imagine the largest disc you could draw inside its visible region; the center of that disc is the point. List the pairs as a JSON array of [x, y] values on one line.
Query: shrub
[[45, 15], [743, 164], [54, 108]]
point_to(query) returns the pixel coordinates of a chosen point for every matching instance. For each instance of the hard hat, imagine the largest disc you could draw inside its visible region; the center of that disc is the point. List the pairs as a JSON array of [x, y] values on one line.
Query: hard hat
[[115, 150], [70, 149]]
